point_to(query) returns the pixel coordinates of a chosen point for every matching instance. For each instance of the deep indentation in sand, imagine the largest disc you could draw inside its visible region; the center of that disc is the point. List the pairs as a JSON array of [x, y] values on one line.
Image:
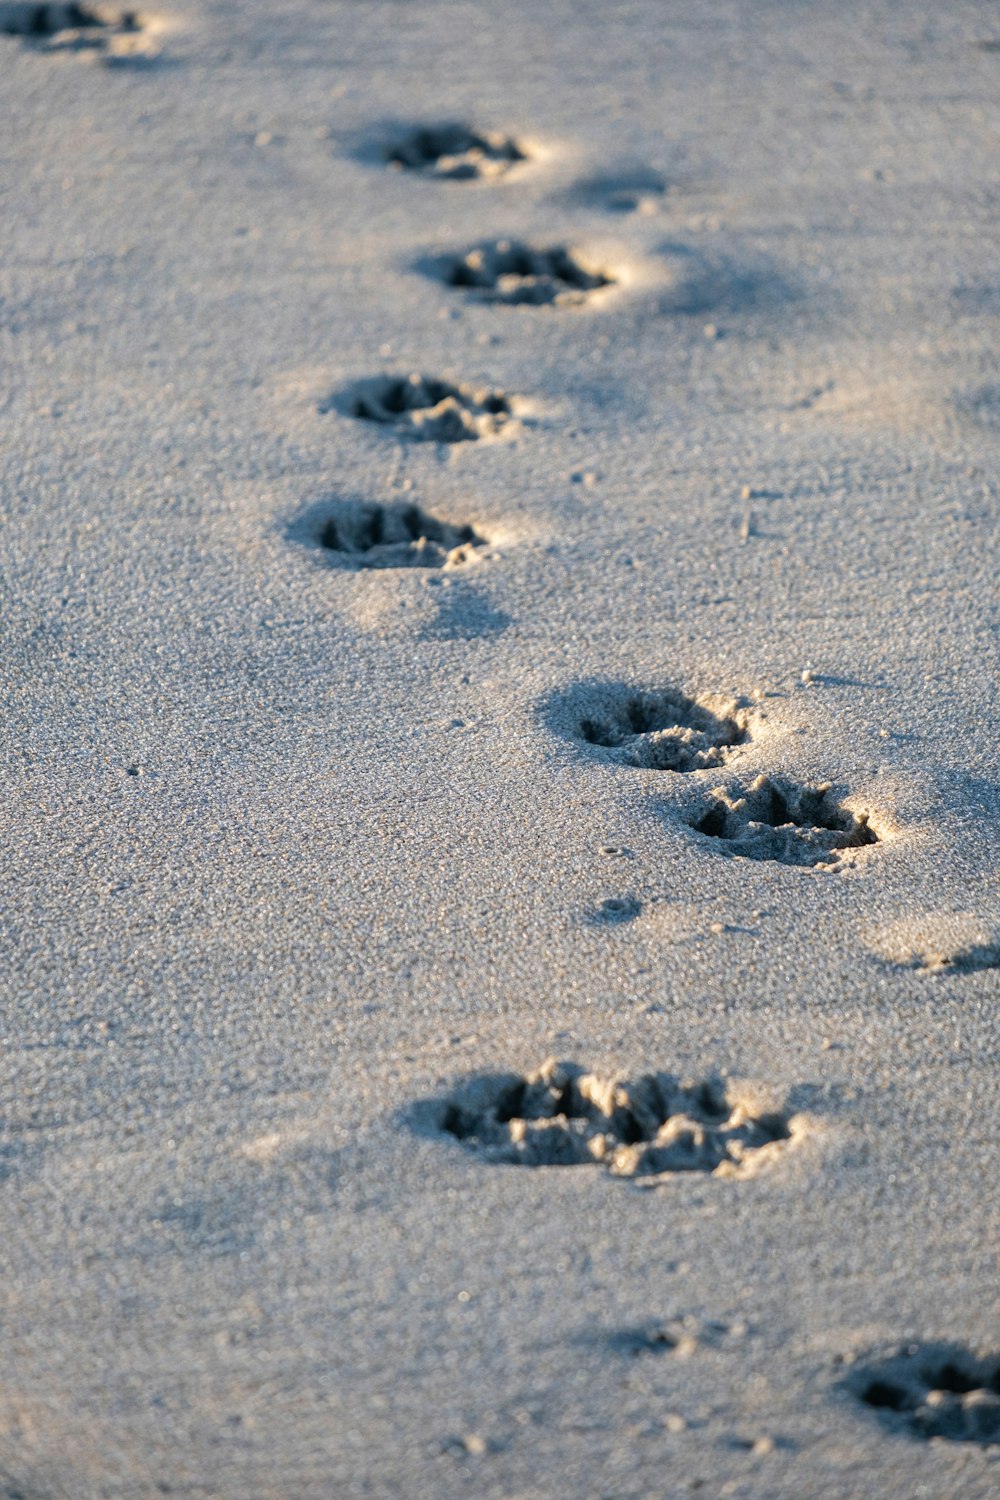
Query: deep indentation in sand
[[396, 536], [775, 818], [658, 730], [518, 274], [934, 1391], [642, 1127], [45, 22], [427, 409], [456, 152]]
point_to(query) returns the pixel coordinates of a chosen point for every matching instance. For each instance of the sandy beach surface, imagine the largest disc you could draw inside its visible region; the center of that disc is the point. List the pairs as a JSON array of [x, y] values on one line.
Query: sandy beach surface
[[473, 596]]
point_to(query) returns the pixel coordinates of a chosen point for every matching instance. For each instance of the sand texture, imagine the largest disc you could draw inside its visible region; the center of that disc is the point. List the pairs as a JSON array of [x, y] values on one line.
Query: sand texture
[[500, 682]]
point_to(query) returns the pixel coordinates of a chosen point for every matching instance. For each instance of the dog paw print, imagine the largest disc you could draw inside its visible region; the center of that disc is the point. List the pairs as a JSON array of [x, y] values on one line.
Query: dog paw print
[[70, 26], [425, 409], [933, 1391], [647, 1127], [454, 152], [775, 818], [396, 536], [659, 729], [517, 274]]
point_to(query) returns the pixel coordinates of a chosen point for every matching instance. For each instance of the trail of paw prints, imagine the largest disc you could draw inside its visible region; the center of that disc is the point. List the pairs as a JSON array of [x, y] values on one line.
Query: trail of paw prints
[[455, 152], [664, 729], [114, 34], [933, 1391], [515, 274], [423, 408], [647, 1128]]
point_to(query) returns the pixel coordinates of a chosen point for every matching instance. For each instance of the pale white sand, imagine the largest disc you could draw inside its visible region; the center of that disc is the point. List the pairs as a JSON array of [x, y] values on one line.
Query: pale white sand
[[291, 847]]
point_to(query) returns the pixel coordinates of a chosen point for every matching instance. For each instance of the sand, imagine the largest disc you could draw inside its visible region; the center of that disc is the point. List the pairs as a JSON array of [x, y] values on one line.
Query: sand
[[296, 846]]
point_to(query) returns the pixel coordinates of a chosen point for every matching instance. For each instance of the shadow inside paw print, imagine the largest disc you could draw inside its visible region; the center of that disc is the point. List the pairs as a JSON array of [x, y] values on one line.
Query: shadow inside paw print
[[656, 729], [370, 535], [646, 1127], [424, 408], [455, 152], [933, 1391], [517, 274], [68, 25], [775, 818]]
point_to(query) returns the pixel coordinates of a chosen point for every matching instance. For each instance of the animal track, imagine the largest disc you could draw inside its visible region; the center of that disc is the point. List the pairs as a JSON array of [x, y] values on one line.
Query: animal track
[[658, 730], [455, 152], [519, 275], [397, 536], [774, 818], [79, 25], [934, 1390], [428, 410], [644, 1127]]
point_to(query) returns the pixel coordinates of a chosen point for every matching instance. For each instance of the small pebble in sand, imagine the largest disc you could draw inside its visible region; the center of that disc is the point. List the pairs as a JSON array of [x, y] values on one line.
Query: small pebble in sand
[[808, 677]]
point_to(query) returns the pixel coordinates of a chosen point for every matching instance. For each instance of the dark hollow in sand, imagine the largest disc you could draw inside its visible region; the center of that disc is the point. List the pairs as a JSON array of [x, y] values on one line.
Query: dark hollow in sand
[[427, 409], [370, 535], [775, 818], [517, 274], [51, 20], [656, 729], [647, 1126], [455, 152], [933, 1391]]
